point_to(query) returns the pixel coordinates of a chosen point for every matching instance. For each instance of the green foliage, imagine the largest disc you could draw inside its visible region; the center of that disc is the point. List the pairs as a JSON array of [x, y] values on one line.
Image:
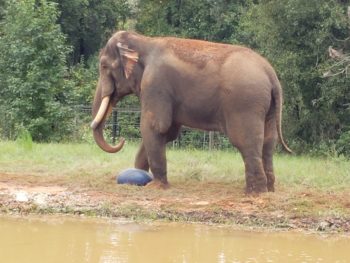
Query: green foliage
[[209, 20], [32, 70], [89, 23], [295, 36], [2, 8], [343, 143], [83, 80], [129, 124]]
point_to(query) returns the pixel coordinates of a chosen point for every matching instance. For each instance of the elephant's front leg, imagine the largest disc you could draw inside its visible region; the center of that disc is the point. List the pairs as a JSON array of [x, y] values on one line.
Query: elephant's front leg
[[155, 147], [141, 160]]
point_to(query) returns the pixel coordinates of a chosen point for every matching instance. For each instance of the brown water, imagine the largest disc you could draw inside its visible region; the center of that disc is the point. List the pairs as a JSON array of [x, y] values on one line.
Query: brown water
[[86, 240]]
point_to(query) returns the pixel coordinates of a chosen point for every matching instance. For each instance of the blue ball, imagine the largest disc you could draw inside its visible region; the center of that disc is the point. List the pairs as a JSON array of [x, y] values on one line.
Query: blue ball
[[134, 176]]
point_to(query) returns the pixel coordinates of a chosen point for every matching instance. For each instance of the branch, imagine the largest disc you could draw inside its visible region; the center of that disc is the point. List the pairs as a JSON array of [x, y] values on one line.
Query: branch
[[340, 66]]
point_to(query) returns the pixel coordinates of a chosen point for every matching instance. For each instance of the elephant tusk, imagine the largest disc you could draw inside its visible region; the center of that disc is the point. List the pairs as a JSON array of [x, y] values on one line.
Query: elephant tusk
[[101, 112]]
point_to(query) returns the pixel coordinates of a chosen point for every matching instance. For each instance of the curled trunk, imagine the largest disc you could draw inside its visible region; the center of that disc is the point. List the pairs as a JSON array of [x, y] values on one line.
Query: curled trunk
[[101, 142], [99, 125]]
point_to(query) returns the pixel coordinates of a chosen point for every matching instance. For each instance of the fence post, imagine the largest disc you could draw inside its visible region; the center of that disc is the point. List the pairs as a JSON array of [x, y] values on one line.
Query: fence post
[[211, 140]]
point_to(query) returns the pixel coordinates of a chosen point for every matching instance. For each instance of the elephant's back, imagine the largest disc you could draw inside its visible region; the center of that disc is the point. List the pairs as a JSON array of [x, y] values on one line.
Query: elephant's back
[[199, 52], [247, 67]]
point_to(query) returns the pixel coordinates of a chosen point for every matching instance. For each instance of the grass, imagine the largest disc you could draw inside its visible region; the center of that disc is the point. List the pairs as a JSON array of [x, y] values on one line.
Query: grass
[[87, 164], [207, 186]]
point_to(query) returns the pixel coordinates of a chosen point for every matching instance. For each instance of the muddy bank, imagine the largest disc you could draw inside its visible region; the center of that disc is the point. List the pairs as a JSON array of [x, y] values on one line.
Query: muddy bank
[[197, 203]]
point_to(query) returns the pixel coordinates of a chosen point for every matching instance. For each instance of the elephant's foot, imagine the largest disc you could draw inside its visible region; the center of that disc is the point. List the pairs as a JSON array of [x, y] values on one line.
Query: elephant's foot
[[255, 190], [270, 181], [258, 186], [270, 187], [157, 184]]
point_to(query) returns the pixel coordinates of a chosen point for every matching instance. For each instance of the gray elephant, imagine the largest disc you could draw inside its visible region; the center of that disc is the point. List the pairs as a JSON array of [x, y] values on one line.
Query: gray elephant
[[199, 84]]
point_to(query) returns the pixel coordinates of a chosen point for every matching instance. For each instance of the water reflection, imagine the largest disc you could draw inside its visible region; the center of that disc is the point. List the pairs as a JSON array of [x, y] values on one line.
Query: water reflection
[[77, 240]]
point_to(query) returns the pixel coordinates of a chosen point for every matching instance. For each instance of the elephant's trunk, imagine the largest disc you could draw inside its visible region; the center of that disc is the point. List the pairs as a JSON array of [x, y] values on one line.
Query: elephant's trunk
[[99, 139], [100, 111]]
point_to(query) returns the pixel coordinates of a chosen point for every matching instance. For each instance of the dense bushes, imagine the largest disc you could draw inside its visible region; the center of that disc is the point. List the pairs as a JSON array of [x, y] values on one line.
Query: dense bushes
[[41, 82], [32, 71], [44, 73], [295, 36], [89, 23]]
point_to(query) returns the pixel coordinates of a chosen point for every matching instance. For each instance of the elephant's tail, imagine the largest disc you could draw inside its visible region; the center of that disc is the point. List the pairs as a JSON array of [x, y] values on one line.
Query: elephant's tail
[[277, 96]]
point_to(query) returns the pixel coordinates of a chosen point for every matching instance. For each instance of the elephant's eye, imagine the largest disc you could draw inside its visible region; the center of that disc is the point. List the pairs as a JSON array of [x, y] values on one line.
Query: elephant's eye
[[104, 66]]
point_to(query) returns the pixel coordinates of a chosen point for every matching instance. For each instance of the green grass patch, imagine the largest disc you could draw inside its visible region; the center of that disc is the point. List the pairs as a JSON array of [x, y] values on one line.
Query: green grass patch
[[88, 165]]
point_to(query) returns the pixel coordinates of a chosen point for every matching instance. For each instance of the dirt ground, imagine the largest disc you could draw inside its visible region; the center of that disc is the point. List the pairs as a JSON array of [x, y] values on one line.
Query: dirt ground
[[216, 203]]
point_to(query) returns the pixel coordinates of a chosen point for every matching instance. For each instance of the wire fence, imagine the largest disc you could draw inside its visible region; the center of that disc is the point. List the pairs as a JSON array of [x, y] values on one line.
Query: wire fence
[[125, 122]]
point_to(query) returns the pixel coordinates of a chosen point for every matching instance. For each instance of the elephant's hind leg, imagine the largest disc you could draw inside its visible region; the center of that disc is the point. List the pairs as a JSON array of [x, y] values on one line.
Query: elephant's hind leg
[[270, 139], [256, 180], [247, 134], [141, 160], [173, 132]]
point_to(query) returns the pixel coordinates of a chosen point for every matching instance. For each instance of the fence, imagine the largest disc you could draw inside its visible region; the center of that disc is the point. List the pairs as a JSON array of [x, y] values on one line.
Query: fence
[[125, 122]]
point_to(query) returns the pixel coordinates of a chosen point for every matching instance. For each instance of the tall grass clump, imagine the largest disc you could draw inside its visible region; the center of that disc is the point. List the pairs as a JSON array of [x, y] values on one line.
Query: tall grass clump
[[24, 140]]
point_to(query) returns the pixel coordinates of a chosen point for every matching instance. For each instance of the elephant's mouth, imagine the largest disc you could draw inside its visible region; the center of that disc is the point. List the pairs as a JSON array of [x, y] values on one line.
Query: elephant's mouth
[[97, 125]]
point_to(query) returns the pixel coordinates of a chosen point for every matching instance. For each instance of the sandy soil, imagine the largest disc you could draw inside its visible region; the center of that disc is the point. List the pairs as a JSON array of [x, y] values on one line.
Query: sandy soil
[[199, 202]]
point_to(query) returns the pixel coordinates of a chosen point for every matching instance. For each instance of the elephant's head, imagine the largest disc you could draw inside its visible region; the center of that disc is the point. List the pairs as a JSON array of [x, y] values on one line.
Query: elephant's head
[[119, 76]]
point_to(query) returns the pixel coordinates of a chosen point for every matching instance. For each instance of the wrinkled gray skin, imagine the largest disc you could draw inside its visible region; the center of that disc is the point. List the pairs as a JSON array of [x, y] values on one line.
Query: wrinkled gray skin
[[199, 84]]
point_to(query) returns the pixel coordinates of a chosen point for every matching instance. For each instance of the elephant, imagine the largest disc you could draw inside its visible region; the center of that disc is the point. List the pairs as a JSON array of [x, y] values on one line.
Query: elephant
[[199, 84]]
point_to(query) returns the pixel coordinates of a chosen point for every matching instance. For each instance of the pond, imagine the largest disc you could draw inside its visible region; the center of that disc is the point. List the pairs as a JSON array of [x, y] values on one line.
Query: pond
[[67, 239]]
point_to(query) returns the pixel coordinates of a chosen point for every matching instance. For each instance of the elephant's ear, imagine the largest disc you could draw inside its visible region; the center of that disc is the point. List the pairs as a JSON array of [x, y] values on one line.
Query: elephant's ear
[[129, 58]]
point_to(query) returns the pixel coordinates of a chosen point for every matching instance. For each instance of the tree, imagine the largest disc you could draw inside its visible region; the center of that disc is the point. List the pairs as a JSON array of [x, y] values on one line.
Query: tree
[[208, 20], [2, 8], [32, 70], [89, 23], [295, 36]]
